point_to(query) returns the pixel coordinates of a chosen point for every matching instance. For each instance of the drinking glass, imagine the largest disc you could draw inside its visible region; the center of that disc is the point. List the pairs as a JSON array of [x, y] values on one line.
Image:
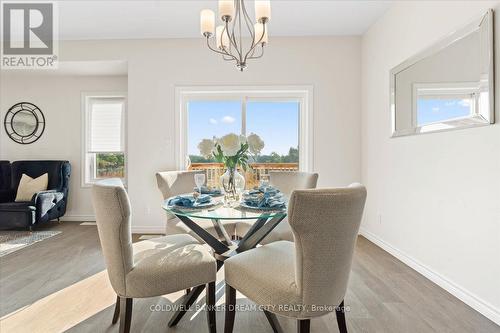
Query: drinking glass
[[264, 182], [199, 179]]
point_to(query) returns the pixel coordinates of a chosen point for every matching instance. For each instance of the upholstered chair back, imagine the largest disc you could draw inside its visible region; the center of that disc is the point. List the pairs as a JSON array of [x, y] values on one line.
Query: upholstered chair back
[[173, 183], [5, 175], [112, 211], [288, 181], [325, 224]]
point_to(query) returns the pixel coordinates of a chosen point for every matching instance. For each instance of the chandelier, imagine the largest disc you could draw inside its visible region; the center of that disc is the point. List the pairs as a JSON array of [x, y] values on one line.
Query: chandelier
[[229, 36]]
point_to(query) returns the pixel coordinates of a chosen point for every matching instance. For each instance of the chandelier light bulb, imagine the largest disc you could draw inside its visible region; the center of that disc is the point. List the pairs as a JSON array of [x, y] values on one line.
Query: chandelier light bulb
[[260, 28], [222, 37], [207, 22], [262, 10], [226, 10]]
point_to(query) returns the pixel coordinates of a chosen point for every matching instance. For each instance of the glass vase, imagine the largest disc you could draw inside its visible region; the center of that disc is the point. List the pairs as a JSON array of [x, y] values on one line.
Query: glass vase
[[233, 184]]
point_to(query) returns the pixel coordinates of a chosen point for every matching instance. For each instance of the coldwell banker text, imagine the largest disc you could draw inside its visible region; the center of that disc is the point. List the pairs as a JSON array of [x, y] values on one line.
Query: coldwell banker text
[[29, 35]]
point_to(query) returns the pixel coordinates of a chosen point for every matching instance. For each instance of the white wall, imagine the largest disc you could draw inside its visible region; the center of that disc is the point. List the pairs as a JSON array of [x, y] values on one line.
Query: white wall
[[59, 98], [155, 67], [433, 200]]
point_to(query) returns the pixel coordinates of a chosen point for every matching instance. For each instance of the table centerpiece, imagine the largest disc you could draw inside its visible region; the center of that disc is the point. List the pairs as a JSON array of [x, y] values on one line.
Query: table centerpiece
[[234, 152]]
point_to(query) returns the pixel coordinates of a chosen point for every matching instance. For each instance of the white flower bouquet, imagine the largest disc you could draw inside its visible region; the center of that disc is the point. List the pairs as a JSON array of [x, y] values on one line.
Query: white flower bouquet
[[234, 151]]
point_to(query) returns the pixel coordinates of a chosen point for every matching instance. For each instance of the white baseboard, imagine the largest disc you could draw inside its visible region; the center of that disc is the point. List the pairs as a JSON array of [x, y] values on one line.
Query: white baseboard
[[78, 218], [148, 229], [481, 306]]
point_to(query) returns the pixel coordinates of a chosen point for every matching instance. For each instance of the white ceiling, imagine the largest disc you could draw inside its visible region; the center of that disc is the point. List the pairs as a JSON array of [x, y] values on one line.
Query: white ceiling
[[98, 19]]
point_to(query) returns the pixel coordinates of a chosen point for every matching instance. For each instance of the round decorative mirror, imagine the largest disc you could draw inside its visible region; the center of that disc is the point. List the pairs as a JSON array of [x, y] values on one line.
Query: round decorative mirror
[[24, 123]]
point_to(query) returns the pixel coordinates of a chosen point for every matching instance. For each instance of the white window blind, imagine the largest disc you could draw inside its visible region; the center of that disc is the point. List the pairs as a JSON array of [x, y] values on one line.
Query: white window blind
[[106, 125]]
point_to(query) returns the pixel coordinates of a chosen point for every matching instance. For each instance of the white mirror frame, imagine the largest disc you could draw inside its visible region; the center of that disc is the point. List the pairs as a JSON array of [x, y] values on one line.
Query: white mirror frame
[[453, 124]]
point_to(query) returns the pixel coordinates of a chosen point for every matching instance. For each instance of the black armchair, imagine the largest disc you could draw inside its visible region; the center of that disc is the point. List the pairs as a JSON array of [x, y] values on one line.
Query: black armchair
[[44, 206]]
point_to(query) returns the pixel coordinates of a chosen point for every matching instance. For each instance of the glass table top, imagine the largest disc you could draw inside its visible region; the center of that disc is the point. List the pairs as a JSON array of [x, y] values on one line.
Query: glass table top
[[220, 212]]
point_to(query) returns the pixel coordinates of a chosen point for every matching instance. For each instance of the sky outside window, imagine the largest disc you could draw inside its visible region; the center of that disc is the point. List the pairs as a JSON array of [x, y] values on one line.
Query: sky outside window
[[441, 109], [277, 123], [211, 118]]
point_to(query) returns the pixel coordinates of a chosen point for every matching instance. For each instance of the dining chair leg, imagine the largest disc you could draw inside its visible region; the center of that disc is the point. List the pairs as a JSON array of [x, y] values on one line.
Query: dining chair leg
[[211, 319], [273, 321], [340, 313], [230, 309], [125, 314], [116, 315], [187, 301], [304, 326]]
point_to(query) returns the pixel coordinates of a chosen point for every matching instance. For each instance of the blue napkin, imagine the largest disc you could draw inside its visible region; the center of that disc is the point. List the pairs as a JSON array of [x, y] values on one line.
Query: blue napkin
[[261, 189], [208, 190], [264, 200], [189, 200]]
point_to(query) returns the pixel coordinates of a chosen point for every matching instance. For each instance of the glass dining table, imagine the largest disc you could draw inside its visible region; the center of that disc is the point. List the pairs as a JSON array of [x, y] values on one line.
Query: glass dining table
[[224, 246]]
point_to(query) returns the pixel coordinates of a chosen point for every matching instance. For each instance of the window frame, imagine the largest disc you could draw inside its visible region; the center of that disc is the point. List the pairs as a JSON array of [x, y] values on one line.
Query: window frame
[[88, 162], [302, 94]]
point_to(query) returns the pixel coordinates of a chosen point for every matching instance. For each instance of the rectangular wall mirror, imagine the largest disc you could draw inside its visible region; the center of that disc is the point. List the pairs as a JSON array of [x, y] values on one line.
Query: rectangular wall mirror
[[448, 86]]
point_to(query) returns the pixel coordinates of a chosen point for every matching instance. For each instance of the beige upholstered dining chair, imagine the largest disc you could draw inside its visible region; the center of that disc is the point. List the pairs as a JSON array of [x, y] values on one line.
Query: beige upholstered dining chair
[[172, 183], [150, 268], [286, 182], [308, 278], [289, 181]]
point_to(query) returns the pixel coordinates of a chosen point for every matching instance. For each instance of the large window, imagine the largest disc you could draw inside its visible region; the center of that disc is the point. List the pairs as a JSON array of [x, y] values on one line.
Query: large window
[[280, 116], [104, 151]]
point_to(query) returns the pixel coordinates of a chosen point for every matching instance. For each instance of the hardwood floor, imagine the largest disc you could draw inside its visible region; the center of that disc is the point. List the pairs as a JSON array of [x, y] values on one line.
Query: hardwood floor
[[60, 284]]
